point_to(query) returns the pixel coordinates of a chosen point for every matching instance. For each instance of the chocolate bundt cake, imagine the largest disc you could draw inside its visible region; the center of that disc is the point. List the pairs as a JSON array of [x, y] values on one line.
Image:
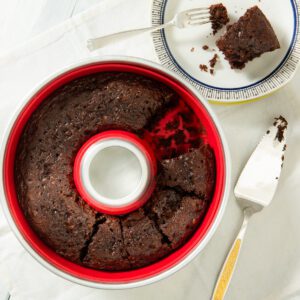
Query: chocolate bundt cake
[[55, 210]]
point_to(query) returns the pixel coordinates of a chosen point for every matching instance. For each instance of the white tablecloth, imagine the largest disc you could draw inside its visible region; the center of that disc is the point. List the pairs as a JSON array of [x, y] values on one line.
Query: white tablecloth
[[269, 266]]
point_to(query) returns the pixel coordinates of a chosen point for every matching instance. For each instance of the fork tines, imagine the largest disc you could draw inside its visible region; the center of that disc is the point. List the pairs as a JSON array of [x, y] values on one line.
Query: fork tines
[[198, 16]]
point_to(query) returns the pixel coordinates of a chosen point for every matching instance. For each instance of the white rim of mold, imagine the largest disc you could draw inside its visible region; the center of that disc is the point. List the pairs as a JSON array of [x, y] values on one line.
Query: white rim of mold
[[210, 232]]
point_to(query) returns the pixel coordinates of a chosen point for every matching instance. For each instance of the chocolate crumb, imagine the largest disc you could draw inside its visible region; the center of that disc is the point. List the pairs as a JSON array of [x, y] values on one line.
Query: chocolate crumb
[[205, 47], [185, 117], [166, 142], [156, 131], [211, 71], [179, 137], [203, 68], [218, 17], [213, 61], [193, 49], [173, 124], [268, 132], [281, 125], [284, 147], [196, 143]]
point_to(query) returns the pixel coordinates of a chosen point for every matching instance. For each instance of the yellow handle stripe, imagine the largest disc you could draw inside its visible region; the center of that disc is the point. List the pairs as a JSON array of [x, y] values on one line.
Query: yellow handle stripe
[[227, 271]]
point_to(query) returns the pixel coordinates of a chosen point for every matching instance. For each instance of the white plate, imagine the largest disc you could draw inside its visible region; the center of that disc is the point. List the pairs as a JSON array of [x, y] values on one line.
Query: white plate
[[260, 77]]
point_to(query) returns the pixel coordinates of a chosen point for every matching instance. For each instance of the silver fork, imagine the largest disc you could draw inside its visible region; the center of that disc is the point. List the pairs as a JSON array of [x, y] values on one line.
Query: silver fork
[[187, 18]]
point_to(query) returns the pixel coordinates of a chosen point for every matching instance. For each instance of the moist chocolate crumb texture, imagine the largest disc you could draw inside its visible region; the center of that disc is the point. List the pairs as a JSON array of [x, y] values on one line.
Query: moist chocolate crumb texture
[[218, 17], [193, 172], [176, 215], [61, 218], [248, 38]]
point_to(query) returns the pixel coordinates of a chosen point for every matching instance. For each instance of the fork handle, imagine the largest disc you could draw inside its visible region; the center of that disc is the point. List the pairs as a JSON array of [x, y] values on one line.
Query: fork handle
[[99, 42], [229, 265]]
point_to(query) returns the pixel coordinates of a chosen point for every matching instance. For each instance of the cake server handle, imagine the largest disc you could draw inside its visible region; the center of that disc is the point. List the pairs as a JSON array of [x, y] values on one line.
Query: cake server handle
[[229, 265]]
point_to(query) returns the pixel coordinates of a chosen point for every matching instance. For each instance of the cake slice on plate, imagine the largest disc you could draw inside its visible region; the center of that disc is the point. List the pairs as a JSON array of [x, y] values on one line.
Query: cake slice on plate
[[248, 38]]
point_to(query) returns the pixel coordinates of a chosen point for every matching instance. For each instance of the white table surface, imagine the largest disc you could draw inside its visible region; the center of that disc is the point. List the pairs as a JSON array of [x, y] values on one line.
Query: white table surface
[[23, 19]]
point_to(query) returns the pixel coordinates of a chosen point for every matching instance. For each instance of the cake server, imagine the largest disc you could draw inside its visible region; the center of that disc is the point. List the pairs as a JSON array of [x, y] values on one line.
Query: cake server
[[254, 191]]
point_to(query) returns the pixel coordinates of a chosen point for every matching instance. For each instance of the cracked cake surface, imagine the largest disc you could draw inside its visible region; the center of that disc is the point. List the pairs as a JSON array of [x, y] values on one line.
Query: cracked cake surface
[[177, 216], [143, 241], [55, 210], [193, 172], [107, 250]]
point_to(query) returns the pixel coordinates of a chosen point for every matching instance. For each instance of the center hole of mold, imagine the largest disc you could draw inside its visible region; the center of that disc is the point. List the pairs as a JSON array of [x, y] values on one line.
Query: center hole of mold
[[115, 172]]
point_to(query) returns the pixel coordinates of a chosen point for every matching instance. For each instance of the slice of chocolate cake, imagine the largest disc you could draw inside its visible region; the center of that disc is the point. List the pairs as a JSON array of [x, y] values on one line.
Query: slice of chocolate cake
[[176, 216], [250, 37], [218, 16], [106, 250], [193, 172], [143, 241]]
